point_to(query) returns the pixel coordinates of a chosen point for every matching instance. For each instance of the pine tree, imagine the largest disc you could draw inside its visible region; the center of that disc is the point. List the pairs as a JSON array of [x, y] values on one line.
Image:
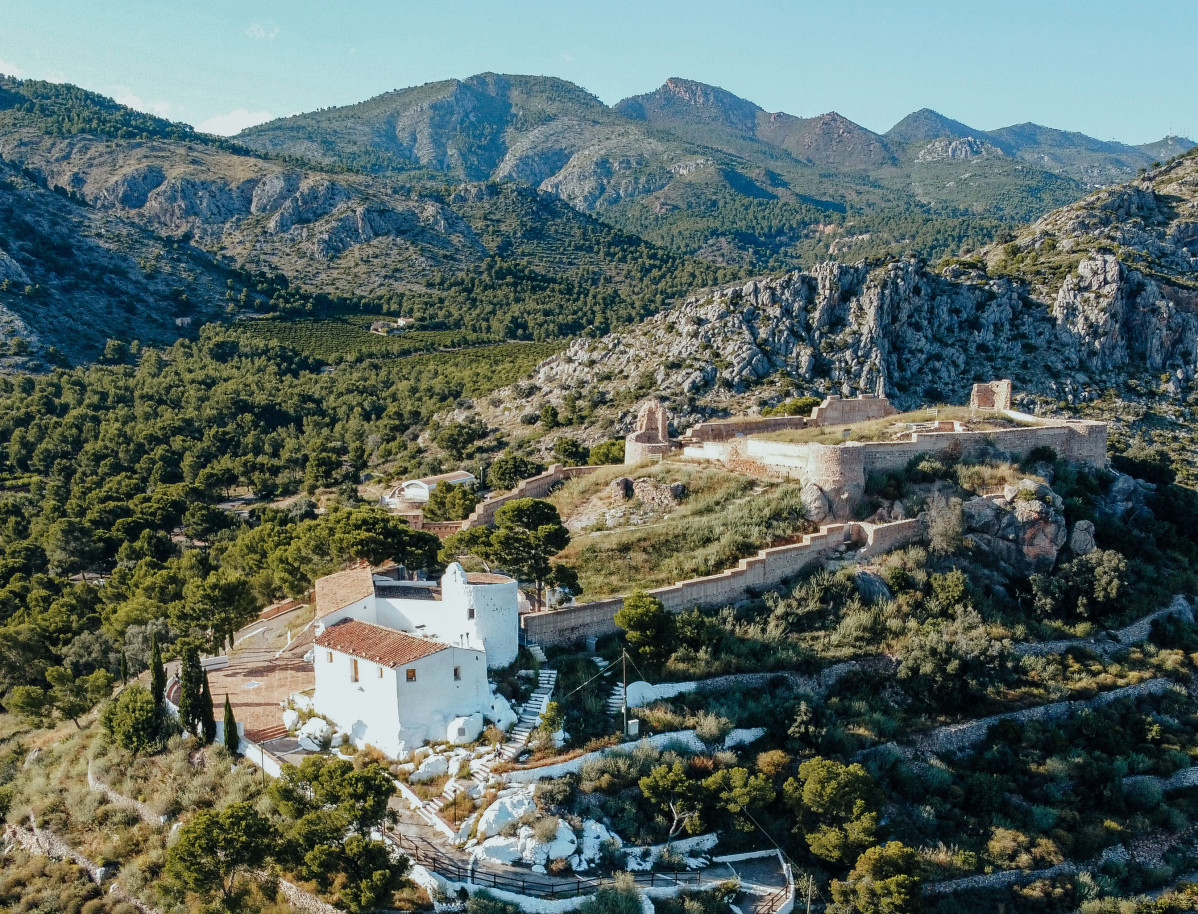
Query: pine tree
[[191, 684], [232, 741], [124, 669], [157, 673], [207, 713]]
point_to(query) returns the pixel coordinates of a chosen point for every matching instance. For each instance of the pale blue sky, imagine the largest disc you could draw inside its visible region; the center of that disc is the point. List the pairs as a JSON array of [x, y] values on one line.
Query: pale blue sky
[[1116, 70]]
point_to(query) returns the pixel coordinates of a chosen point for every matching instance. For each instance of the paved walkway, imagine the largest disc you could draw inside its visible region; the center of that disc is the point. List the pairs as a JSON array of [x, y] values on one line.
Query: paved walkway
[[257, 681]]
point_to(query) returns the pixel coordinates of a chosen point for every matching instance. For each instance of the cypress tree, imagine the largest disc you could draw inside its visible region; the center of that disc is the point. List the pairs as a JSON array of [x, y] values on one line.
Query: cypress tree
[[191, 683], [124, 669], [157, 673], [207, 713], [232, 741]]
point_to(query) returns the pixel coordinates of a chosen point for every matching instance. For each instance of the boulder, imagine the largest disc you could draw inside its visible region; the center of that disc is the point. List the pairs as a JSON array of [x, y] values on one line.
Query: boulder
[[498, 850], [432, 767], [594, 836], [1025, 529], [532, 851], [982, 515], [463, 730], [501, 714], [315, 735], [290, 719], [815, 503], [871, 587], [504, 810], [1081, 540]]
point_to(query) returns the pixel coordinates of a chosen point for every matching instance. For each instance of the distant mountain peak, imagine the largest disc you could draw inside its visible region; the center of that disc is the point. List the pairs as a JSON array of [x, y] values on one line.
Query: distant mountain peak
[[690, 98], [926, 125]]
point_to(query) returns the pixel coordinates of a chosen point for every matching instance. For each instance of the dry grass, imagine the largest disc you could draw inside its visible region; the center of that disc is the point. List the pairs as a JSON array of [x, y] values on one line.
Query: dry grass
[[890, 427], [723, 518]]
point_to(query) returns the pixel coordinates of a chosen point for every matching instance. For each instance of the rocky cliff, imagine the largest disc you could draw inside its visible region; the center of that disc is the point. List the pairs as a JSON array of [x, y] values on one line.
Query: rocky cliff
[[1099, 290]]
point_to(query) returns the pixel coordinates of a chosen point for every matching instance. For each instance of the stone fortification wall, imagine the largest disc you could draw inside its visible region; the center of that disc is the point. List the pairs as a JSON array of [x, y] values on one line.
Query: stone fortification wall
[[534, 487], [1081, 441], [842, 469], [723, 429], [642, 446], [768, 568], [838, 411], [993, 395]]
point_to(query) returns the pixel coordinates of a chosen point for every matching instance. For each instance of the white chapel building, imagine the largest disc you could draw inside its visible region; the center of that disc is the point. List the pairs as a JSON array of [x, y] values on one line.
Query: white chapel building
[[401, 662]]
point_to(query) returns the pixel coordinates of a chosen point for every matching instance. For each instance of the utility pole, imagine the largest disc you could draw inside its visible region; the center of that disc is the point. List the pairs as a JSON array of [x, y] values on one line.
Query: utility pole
[[624, 701], [810, 882]]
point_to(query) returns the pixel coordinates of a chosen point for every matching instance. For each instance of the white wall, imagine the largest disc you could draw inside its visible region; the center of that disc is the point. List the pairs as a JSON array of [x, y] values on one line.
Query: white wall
[[495, 627], [414, 491], [496, 622], [390, 713]]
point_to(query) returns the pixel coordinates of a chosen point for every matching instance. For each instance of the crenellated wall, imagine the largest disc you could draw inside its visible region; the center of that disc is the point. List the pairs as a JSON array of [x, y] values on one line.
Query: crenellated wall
[[534, 487], [767, 569]]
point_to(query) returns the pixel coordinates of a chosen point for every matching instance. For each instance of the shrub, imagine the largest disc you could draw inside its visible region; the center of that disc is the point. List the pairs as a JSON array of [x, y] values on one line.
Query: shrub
[[507, 471], [608, 452], [132, 720], [796, 406]]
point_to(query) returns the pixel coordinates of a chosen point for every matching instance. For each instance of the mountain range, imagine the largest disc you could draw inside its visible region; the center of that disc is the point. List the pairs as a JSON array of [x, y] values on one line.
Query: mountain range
[[514, 206], [697, 167]]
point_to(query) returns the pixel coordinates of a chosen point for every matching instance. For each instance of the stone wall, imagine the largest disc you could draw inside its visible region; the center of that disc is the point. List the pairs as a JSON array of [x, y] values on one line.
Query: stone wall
[[838, 411], [723, 429], [842, 469], [994, 395], [959, 737], [534, 487], [765, 570]]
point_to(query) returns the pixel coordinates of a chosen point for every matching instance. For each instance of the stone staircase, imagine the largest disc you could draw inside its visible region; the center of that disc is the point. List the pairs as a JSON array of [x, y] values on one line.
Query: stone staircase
[[529, 715], [431, 810], [615, 701], [265, 734]]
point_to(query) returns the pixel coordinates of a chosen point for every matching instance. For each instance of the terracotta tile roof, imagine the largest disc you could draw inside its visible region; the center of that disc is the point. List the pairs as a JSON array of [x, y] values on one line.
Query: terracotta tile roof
[[375, 643], [336, 591]]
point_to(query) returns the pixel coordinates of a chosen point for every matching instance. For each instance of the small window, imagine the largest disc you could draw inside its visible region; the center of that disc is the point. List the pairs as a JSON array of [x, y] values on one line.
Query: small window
[[457, 674], [411, 675], [461, 731], [380, 671], [353, 675], [328, 656], [470, 613]]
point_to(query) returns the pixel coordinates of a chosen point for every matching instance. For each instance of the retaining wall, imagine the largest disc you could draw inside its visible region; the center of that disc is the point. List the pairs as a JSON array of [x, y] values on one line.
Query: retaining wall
[[958, 737], [534, 487], [767, 569]]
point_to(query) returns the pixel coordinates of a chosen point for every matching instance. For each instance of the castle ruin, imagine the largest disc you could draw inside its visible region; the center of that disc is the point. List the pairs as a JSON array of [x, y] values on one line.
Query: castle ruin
[[651, 440]]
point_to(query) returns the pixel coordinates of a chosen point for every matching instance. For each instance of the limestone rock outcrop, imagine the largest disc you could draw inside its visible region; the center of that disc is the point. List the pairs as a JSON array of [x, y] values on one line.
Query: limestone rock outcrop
[[1024, 528]]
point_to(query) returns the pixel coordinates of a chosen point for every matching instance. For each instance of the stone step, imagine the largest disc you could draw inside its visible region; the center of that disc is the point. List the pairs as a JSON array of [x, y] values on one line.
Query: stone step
[[538, 652]]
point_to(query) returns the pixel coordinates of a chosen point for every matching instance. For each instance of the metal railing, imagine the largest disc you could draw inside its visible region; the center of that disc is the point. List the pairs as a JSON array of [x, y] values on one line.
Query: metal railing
[[427, 854]]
